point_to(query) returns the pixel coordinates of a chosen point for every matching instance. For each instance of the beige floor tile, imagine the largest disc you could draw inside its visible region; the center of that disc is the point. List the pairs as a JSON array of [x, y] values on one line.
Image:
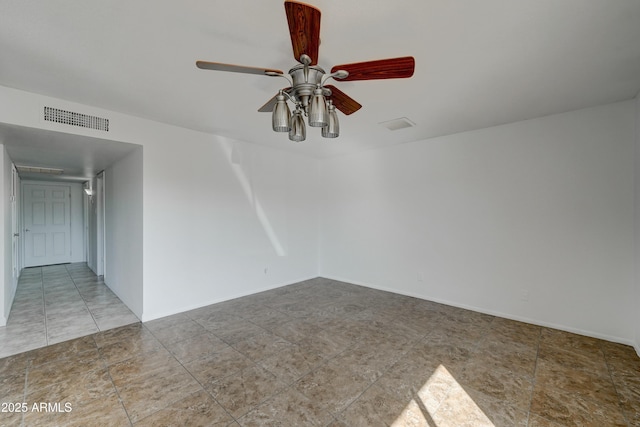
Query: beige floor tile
[[326, 344], [120, 344], [500, 412], [375, 407], [586, 384], [460, 410], [417, 379], [567, 409], [291, 364], [11, 419], [498, 383], [79, 391], [297, 330], [196, 410], [594, 364], [141, 365], [243, 391], [452, 356], [514, 331], [268, 318], [367, 360], [177, 332], [106, 411], [216, 366], [152, 392], [517, 358], [49, 308], [319, 352], [332, 387], [289, 408], [70, 349], [196, 347], [261, 346], [62, 370], [239, 331], [560, 340], [12, 385]]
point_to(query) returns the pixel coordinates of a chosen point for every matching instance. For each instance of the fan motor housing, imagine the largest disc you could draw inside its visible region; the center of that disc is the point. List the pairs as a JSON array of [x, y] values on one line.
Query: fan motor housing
[[305, 80]]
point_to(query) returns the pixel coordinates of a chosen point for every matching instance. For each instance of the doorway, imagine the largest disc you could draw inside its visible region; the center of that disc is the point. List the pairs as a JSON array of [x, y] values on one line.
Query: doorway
[[16, 252], [101, 225], [46, 224]]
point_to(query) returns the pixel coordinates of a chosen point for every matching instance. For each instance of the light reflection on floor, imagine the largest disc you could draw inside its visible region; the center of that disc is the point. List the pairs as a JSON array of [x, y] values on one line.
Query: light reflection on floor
[[442, 402]]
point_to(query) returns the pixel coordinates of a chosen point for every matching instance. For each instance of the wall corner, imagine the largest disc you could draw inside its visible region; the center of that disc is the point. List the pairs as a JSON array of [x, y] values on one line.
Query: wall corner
[[636, 226]]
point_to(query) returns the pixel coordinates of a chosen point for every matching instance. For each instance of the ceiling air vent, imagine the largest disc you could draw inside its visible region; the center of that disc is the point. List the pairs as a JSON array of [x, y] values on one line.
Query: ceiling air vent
[[396, 124], [57, 115]]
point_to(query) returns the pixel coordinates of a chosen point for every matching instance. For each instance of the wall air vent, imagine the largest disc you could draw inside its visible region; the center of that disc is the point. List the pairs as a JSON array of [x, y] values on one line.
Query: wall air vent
[[57, 115], [38, 169]]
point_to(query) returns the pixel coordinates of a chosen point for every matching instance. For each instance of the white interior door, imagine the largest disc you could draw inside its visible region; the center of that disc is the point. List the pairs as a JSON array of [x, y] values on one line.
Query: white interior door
[[47, 224]]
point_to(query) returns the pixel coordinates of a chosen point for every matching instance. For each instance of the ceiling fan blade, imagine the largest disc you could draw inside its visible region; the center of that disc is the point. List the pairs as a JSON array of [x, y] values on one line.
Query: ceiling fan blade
[[393, 68], [304, 28], [268, 107], [342, 101], [218, 66]]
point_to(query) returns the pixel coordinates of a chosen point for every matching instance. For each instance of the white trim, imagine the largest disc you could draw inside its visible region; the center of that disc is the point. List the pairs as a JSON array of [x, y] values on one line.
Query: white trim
[[16, 227], [101, 232], [494, 313]]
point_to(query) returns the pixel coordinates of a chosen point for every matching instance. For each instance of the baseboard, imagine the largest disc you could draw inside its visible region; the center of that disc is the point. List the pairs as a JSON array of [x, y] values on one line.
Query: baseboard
[[637, 347], [494, 313], [3, 321], [148, 318]]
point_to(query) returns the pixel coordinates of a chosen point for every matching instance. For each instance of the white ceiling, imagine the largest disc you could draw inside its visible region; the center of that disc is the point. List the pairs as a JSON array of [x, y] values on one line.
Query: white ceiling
[[479, 63], [80, 157]]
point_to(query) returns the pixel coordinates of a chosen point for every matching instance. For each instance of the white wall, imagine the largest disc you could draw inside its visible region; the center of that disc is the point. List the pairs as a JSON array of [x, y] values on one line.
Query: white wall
[[211, 227], [539, 210], [91, 228], [636, 308], [78, 251], [123, 220], [6, 254], [95, 225]]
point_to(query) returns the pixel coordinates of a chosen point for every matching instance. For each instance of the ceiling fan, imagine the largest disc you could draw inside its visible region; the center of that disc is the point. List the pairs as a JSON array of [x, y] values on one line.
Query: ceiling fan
[[308, 91]]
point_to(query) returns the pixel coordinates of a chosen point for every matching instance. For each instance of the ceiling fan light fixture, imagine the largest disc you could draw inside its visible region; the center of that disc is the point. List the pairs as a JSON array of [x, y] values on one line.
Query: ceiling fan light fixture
[[332, 130], [307, 90], [318, 113], [298, 132], [281, 116]]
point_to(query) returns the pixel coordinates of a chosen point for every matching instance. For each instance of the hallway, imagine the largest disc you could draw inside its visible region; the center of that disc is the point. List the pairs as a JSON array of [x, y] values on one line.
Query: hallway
[[58, 303]]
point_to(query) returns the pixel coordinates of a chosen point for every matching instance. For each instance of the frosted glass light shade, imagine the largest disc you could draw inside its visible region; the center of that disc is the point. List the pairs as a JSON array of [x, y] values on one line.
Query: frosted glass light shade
[[280, 118], [318, 114], [298, 132], [332, 130]]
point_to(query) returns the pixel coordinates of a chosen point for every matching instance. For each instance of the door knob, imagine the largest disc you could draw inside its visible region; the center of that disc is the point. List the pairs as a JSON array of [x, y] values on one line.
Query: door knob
[[16, 234]]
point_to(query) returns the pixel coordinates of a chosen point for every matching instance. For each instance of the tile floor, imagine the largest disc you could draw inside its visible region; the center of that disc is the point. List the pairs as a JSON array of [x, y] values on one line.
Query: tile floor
[[325, 353], [57, 303]]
